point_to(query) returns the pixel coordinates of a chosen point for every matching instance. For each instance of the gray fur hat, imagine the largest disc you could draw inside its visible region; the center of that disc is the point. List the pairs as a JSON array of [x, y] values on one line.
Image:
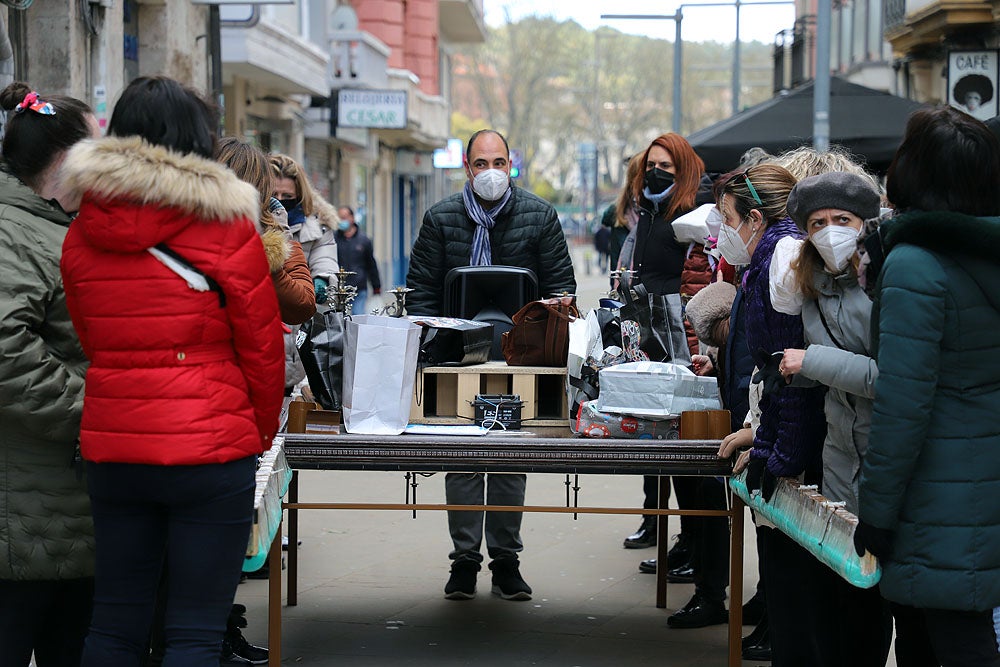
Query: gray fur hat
[[835, 189], [711, 304]]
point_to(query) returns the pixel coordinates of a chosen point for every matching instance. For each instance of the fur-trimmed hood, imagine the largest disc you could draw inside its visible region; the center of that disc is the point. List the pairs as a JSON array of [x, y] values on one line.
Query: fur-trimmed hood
[[129, 168], [275, 237]]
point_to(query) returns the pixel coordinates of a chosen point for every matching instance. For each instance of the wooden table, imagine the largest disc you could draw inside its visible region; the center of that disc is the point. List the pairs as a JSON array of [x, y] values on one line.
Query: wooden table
[[508, 454]]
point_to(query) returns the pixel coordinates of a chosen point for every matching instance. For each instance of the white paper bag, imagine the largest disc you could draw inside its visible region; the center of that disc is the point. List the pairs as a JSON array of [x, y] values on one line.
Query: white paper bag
[[654, 389], [380, 364], [585, 341]]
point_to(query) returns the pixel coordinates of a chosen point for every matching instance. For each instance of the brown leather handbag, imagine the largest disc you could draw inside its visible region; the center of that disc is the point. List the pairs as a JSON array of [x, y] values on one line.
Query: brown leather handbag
[[540, 335]]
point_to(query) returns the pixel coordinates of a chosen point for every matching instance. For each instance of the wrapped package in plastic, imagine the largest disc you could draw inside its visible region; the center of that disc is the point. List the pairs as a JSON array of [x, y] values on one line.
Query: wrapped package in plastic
[[655, 390], [593, 423], [272, 479]]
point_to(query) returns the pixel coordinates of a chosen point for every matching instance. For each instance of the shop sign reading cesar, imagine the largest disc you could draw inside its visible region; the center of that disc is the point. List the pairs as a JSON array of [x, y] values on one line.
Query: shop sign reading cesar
[[384, 109]]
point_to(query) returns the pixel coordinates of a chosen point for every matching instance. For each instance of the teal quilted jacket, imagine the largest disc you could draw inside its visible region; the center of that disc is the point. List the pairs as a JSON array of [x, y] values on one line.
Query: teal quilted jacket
[[932, 471]]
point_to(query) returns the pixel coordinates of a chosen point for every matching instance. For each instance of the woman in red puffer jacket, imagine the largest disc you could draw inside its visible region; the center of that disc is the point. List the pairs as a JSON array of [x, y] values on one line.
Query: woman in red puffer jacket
[[184, 386]]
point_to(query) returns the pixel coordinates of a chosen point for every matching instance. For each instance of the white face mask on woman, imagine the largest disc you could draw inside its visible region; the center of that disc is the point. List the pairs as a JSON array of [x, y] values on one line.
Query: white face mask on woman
[[490, 184], [836, 244], [732, 247]]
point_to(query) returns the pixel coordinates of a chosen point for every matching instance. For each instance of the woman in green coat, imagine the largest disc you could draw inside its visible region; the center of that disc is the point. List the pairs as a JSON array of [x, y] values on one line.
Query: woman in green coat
[[930, 481], [46, 533]]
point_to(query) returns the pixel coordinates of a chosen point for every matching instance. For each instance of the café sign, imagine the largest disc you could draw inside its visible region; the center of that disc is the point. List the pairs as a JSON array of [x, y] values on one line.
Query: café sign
[[380, 109]]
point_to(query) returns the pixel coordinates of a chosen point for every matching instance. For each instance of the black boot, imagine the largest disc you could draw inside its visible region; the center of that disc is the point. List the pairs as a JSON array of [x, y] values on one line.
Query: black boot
[[645, 536], [236, 650], [757, 645], [680, 553], [753, 610]]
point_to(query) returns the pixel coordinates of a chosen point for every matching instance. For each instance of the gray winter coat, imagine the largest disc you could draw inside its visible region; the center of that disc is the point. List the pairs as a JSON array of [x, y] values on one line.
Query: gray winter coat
[[840, 359], [46, 530]]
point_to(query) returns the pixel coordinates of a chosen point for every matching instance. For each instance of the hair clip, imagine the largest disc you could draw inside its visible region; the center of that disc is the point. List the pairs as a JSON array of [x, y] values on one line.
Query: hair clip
[[32, 102]]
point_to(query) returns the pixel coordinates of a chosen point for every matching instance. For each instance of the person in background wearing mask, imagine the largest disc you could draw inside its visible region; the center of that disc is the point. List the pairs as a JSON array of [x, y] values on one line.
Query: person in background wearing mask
[[355, 252], [311, 220], [836, 316], [671, 182], [490, 222]]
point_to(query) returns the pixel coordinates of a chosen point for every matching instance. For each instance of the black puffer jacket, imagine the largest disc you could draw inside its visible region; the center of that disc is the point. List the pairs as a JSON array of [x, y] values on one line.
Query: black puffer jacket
[[527, 234], [658, 256]]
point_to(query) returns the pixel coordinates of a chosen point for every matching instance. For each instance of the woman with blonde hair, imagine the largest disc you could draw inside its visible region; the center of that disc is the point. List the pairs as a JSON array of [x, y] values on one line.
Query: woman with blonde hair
[[312, 221], [806, 161], [789, 440], [285, 257], [836, 315]]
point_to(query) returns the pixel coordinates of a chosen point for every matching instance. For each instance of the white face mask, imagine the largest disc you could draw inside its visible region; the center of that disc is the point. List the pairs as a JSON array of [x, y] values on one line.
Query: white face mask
[[836, 244], [490, 184], [732, 247]]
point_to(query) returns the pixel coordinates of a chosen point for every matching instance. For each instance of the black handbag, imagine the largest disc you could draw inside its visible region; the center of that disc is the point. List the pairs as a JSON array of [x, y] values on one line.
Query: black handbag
[[321, 348], [450, 341], [661, 324]]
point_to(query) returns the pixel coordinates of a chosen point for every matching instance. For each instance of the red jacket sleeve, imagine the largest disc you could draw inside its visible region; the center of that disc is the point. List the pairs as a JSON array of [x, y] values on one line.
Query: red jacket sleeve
[[252, 307]]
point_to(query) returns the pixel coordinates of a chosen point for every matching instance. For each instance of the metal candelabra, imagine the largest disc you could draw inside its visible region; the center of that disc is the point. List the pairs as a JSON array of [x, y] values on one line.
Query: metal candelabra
[[343, 295], [395, 308]]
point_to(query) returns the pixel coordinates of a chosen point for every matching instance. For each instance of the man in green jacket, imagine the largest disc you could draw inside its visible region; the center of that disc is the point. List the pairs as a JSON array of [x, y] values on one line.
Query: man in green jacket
[[491, 222]]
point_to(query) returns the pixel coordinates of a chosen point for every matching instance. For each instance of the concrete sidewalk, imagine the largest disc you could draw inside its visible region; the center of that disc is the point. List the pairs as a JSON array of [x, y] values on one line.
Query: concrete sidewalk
[[371, 585]]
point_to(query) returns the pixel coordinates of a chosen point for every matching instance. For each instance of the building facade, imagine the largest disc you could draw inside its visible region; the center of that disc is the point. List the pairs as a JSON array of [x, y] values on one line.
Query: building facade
[[281, 65]]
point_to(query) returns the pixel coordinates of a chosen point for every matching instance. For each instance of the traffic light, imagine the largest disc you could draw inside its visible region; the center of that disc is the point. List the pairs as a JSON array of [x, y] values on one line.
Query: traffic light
[[516, 162]]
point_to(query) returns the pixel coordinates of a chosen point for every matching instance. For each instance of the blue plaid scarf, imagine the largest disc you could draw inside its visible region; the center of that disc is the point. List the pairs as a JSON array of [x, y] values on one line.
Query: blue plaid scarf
[[482, 251]]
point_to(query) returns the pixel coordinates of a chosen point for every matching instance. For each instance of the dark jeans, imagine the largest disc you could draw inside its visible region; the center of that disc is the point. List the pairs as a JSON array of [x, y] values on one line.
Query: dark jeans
[[651, 497], [944, 637], [47, 617], [793, 599], [860, 614], [195, 520], [709, 536]]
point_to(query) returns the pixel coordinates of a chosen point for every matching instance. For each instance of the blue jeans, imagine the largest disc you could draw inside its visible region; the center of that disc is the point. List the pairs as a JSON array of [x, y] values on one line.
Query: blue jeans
[[358, 307], [193, 519]]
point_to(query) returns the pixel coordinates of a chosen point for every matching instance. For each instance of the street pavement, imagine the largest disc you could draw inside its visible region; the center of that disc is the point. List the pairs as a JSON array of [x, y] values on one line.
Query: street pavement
[[371, 582]]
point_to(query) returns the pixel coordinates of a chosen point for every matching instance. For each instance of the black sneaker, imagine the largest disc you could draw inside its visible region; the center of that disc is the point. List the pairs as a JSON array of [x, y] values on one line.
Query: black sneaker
[[507, 580], [462, 582], [236, 650]]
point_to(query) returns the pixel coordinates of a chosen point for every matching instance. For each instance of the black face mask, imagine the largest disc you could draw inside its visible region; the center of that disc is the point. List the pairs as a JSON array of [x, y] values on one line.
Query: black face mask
[[658, 180], [289, 204]]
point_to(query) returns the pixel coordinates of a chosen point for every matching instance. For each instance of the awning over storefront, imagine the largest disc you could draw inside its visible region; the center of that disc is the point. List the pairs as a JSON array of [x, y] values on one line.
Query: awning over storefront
[[868, 123]]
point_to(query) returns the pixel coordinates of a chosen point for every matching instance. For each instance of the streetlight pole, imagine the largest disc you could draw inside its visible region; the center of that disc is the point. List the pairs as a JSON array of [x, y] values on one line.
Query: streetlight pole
[[677, 17], [821, 84]]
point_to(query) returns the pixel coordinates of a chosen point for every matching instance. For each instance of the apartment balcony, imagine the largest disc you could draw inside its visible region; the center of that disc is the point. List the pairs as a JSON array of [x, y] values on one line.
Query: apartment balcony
[[428, 119], [914, 23], [461, 21], [357, 60], [274, 59]]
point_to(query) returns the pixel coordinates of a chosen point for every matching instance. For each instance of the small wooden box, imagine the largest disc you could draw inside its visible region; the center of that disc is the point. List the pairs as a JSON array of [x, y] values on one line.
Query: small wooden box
[[444, 394], [307, 417]]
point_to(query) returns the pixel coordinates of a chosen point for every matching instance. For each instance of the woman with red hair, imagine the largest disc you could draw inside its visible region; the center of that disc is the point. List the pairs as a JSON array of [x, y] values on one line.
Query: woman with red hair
[[671, 183]]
